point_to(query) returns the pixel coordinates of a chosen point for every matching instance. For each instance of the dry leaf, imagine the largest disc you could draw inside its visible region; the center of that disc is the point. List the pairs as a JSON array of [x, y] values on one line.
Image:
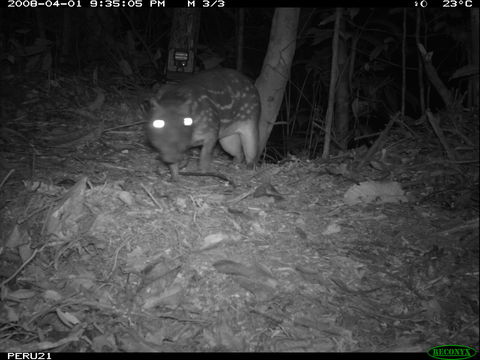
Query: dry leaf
[[21, 294], [62, 220], [25, 252], [67, 318], [375, 192], [52, 295], [212, 240], [17, 237], [171, 297], [126, 197], [12, 315]]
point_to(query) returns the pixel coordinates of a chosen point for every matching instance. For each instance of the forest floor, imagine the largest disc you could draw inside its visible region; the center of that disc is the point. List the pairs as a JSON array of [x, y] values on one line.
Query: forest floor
[[102, 252]]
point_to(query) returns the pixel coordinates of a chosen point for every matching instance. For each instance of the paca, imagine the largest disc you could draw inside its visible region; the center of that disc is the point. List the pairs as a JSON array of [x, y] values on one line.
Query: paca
[[216, 105]]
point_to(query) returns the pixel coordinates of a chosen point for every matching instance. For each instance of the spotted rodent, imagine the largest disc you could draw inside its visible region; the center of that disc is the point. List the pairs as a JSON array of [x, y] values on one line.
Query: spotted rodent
[[219, 104]]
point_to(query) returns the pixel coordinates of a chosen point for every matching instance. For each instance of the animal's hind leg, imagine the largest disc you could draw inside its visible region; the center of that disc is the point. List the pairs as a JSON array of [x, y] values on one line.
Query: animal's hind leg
[[249, 140], [232, 144]]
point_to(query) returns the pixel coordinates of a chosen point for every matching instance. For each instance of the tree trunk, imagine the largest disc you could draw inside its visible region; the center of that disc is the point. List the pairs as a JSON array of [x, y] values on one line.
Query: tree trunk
[[434, 77], [421, 85], [333, 85], [100, 24], [183, 38], [342, 107], [276, 68]]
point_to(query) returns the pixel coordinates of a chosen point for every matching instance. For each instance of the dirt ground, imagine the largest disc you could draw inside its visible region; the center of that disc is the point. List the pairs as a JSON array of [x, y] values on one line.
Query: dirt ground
[[102, 252]]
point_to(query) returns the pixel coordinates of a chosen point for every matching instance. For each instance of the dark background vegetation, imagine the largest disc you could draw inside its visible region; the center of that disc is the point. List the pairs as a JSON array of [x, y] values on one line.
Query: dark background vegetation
[[50, 42]]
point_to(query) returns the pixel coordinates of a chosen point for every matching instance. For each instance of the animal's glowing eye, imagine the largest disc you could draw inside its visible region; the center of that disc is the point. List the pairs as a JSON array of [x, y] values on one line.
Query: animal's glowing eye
[[187, 121], [158, 124]]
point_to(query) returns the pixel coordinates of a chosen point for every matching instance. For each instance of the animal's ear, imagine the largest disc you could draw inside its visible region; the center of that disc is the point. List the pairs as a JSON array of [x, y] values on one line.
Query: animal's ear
[[163, 89], [147, 105], [185, 107], [154, 103]]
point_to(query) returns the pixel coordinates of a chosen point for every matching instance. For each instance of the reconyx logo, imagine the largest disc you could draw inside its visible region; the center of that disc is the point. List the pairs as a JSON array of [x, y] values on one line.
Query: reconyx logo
[[457, 352]]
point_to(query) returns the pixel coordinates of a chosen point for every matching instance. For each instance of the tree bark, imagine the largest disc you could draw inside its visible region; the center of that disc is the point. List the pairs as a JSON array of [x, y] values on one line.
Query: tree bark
[[183, 37], [421, 85], [342, 105], [434, 78], [276, 68], [333, 84]]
